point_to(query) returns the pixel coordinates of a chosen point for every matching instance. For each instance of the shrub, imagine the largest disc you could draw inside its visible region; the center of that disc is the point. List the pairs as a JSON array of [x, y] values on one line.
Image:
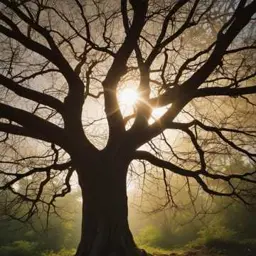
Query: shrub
[[149, 235], [62, 252], [216, 232], [19, 248]]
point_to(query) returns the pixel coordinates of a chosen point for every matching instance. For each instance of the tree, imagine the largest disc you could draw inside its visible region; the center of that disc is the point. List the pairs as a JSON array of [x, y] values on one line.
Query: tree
[[62, 231], [63, 67]]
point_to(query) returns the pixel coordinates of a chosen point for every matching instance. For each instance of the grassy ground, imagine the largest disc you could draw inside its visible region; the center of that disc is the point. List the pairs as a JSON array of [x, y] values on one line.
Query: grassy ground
[[216, 249], [185, 252]]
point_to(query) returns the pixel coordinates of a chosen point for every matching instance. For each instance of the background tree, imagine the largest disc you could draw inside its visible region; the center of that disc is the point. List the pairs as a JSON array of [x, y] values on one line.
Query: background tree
[[63, 67], [62, 232]]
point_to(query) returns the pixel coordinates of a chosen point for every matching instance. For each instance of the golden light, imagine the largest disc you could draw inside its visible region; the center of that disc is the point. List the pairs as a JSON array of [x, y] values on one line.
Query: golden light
[[128, 97], [157, 113]]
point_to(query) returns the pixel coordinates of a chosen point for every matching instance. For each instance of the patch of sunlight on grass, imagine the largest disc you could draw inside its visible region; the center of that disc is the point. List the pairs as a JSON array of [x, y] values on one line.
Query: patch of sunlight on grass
[[154, 250], [203, 251]]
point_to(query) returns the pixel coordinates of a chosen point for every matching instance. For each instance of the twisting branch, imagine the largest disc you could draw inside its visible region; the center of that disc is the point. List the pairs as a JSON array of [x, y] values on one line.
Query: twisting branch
[[198, 174], [38, 127], [187, 91], [33, 95], [118, 69], [63, 67]]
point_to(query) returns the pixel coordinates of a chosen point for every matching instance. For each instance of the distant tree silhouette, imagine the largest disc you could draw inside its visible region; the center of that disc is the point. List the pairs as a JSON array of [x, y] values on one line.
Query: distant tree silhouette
[[62, 67]]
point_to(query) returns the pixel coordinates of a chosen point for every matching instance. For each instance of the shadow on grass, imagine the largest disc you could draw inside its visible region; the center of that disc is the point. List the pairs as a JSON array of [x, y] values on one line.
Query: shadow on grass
[[233, 248], [212, 248]]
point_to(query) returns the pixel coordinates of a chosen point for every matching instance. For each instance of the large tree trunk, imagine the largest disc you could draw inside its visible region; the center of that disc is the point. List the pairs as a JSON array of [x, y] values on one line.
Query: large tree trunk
[[105, 229]]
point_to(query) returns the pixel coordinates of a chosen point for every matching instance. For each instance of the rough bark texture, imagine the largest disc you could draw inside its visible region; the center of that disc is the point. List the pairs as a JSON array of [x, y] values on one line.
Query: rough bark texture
[[105, 229]]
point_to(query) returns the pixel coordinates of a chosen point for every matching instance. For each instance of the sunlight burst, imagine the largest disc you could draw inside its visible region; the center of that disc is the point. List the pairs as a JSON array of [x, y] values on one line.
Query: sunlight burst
[[157, 113], [128, 97]]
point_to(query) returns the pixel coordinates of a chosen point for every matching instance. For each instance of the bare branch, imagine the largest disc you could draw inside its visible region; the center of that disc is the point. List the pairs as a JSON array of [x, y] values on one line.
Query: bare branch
[[33, 95], [38, 127]]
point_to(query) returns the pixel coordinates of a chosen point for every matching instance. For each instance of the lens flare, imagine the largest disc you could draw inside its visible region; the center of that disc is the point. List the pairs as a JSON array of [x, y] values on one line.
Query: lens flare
[[128, 97]]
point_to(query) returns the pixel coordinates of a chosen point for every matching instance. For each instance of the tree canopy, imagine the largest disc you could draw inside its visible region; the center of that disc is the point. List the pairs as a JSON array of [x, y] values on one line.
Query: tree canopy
[[65, 68]]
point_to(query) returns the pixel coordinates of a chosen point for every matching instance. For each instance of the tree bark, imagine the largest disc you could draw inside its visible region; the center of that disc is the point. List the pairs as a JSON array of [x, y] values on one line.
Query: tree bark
[[105, 229]]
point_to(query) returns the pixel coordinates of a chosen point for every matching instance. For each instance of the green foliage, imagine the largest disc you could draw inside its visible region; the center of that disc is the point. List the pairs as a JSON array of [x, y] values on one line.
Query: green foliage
[[215, 232], [229, 231], [149, 235], [62, 252], [155, 250], [228, 226], [233, 247], [19, 239], [25, 248], [19, 248]]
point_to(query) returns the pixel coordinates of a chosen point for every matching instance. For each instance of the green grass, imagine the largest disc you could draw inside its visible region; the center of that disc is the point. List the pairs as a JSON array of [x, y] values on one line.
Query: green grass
[[211, 248], [154, 250]]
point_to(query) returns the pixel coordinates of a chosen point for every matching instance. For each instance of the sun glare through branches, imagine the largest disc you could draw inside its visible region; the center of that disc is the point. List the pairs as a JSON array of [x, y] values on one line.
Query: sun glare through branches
[[128, 97]]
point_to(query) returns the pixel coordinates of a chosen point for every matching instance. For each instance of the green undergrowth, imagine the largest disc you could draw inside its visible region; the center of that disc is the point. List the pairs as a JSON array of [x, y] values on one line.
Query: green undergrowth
[[213, 247], [155, 250], [62, 252], [25, 248]]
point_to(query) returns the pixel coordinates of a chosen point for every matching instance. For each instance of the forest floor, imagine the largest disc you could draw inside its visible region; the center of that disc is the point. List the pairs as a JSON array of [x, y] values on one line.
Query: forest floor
[[204, 251]]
